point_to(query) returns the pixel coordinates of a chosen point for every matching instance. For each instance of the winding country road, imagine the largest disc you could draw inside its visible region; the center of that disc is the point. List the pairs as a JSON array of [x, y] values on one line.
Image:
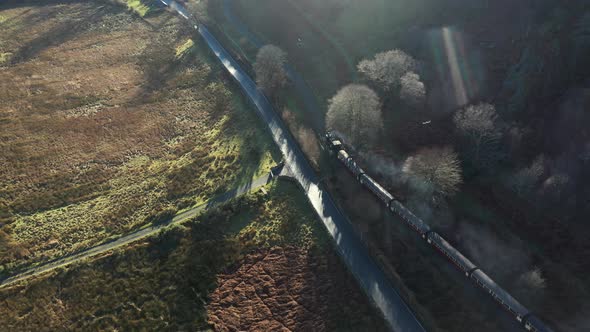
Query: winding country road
[[139, 234], [370, 277]]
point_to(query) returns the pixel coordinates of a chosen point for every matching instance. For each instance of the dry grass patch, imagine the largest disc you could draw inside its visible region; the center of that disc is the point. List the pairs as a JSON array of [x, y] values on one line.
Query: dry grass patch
[[175, 281], [101, 126]]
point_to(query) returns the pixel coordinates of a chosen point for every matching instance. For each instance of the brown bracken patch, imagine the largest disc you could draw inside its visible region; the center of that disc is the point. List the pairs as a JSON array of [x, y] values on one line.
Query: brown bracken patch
[[288, 289]]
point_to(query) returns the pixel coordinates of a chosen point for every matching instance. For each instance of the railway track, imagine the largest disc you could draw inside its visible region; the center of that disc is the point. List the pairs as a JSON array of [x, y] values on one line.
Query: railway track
[[525, 317], [348, 245]]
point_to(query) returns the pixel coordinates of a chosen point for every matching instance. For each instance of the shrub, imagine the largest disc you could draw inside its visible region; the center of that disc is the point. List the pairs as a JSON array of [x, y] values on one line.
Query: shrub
[[438, 167], [524, 181]]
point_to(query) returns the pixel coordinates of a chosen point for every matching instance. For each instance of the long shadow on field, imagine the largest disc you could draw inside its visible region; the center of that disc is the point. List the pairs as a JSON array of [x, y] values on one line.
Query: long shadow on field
[[13, 19], [79, 19], [158, 61], [211, 252], [9, 4], [331, 292]]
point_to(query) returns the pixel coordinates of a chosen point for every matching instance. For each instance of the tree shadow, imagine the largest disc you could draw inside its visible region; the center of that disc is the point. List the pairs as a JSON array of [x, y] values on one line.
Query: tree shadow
[[10, 4], [158, 61], [13, 19], [82, 16], [80, 20], [332, 293]]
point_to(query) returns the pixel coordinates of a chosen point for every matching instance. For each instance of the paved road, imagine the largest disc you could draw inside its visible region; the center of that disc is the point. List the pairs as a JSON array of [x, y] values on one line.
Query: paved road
[[371, 278], [139, 234]]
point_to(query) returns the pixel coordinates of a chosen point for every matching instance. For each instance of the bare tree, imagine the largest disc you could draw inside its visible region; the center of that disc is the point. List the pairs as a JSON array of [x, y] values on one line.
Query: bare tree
[[269, 68], [387, 68], [524, 181], [555, 186], [531, 284], [412, 90], [436, 167], [479, 123], [355, 112], [534, 279]]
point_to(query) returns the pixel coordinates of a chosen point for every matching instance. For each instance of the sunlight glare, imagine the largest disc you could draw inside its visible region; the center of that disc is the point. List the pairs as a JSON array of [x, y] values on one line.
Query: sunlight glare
[[457, 78]]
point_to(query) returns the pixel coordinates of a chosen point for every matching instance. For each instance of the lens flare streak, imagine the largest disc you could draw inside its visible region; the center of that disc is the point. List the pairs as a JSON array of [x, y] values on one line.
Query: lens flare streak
[[454, 67]]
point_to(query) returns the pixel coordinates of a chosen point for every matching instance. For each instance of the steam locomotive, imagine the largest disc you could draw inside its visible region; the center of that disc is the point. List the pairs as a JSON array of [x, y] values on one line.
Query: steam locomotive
[[525, 317]]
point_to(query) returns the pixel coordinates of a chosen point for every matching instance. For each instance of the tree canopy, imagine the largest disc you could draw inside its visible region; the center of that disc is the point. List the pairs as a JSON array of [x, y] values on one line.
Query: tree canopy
[[387, 68], [269, 68], [438, 167], [412, 89], [355, 112]]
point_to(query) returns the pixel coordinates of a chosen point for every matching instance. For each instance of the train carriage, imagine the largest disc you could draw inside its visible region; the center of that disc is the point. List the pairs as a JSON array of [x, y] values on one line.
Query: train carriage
[[375, 188], [500, 295], [534, 324], [522, 315], [451, 253], [407, 216], [349, 162]]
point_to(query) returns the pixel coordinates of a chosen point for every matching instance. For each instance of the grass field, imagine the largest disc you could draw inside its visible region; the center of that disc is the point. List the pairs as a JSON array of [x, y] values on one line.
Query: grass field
[[195, 277], [106, 121], [140, 7]]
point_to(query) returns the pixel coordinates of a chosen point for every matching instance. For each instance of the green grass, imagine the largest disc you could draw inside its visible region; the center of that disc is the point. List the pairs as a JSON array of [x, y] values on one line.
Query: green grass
[[287, 220], [212, 142], [185, 49], [280, 217], [164, 282], [139, 7], [234, 151], [5, 57]]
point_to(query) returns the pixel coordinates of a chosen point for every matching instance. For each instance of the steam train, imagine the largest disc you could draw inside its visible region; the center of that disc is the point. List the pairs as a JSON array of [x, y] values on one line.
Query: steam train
[[525, 317]]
